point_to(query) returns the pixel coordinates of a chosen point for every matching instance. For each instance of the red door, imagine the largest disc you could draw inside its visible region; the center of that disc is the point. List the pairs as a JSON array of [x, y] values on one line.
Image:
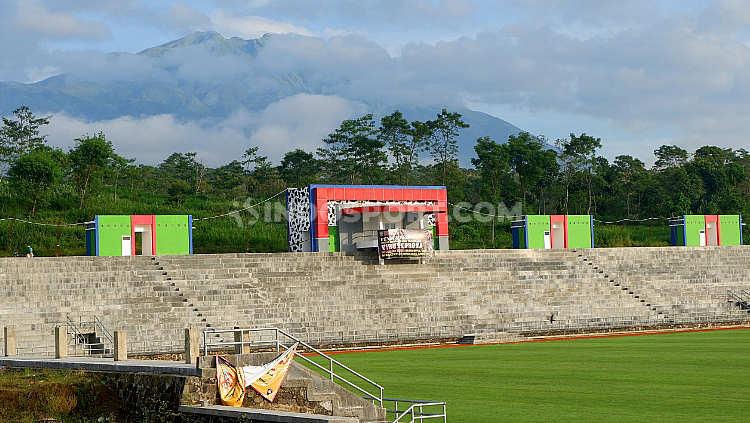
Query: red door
[[712, 230], [558, 230], [148, 223]]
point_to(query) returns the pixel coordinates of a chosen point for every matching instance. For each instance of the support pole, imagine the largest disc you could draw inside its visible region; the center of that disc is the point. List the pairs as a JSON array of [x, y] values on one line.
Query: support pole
[[121, 345], [192, 345], [9, 335], [240, 338], [61, 342]]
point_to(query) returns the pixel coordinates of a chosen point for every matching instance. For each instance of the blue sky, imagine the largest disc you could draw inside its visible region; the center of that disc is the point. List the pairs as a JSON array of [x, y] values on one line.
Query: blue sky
[[637, 73]]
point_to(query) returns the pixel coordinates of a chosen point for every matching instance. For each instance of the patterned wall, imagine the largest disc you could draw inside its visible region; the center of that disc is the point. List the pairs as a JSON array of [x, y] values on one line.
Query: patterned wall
[[298, 219]]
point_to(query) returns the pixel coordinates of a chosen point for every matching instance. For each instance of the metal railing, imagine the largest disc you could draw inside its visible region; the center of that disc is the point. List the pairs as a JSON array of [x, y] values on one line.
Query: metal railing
[[80, 334], [275, 340], [416, 411], [99, 328], [740, 299]]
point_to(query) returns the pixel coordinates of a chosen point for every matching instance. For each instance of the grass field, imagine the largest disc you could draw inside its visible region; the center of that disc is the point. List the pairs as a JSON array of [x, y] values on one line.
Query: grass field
[[685, 377]]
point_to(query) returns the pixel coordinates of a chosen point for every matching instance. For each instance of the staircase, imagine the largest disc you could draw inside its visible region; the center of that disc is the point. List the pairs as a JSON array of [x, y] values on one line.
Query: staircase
[[89, 337], [616, 283], [340, 391], [739, 299], [681, 285], [338, 299]]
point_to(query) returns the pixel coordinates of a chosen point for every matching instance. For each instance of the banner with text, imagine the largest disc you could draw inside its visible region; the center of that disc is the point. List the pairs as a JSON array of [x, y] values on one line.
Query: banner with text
[[404, 243], [230, 382], [266, 379]]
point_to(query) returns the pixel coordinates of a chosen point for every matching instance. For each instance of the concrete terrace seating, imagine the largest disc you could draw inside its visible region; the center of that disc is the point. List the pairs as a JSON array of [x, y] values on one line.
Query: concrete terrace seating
[[128, 293], [680, 281], [335, 298]]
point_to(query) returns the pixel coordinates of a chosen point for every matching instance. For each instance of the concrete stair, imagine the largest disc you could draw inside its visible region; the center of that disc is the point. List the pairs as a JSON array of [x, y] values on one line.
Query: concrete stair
[[341, 299], [305, 390]]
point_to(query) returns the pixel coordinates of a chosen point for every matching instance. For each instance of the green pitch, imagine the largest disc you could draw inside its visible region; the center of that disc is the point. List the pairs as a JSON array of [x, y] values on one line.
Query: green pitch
[[682, 377]]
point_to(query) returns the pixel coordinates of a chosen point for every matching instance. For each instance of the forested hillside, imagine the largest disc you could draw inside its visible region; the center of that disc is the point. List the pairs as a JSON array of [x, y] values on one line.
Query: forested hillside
[[520, 175]]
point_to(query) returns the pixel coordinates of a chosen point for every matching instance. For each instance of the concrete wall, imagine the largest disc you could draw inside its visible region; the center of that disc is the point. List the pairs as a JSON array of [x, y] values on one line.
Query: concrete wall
[[334, 298]]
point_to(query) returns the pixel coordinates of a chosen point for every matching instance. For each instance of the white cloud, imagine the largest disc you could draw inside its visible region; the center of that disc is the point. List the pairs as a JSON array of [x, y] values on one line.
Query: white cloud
[[651, 69], [298, 121], [34, 17], [252, 26], [183, 16]]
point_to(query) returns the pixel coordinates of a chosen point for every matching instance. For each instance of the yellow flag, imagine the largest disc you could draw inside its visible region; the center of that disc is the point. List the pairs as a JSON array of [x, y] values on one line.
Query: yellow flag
[[230, 382], [269, 381]]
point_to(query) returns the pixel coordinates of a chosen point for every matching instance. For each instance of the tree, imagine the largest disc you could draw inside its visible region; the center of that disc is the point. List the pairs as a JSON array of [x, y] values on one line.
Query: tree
[[33, 175], [119, 166], [444, 140], [89, 159], [669, 156], [722, 172], [531, 162], [299, 168], [186, 167], [251, 159], [405, 141], [353, 154], [178, 190], [20, 135], [264, 177], [229, 180], [628, 181], [493, 164], [579, 156]]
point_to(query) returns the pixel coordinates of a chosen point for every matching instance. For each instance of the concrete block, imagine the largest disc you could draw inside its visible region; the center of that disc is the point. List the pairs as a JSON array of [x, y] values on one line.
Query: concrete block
[[192, 345], [241, 337], [121, 345], [61, 342], [11, 348]]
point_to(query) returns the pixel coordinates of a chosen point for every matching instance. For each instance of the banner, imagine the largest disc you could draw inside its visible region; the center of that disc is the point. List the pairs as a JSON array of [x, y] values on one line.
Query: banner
[[265, 379], [230, 382], [270, 376], [397, 243]]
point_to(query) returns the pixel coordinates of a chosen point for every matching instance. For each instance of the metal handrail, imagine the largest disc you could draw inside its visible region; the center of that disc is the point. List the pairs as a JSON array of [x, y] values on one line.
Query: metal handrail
[[734, 296], [78, 338], [330, 369], [98, 324], [421, 415]]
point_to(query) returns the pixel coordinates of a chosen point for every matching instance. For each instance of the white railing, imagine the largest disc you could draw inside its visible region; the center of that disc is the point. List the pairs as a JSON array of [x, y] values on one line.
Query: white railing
[[416, 411]]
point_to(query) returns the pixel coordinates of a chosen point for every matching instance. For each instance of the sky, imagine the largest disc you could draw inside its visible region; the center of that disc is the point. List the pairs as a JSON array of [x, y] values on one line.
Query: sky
[[636, 73]]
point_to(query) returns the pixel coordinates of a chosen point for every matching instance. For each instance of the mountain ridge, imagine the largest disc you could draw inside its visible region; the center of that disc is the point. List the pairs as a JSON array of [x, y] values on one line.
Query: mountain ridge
[[205, 77]]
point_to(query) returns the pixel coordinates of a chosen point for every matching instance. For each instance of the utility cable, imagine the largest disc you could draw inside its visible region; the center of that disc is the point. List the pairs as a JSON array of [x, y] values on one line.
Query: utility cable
[[242, 209]]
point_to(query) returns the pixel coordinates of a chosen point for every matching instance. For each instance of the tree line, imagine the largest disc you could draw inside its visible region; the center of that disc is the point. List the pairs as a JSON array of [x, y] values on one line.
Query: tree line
[[567, 176]]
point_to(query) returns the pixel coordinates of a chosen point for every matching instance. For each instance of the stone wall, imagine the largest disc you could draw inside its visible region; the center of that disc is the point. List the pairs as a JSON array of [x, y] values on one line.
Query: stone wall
[[332, 299]]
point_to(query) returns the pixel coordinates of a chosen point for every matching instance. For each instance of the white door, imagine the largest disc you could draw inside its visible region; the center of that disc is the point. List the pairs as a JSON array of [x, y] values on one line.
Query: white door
[[547, 241], [703, 238], [126, 246]]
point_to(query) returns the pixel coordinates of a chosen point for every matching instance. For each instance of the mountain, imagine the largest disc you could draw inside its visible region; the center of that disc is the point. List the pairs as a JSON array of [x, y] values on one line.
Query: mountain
[[212, 41], [205, 77]]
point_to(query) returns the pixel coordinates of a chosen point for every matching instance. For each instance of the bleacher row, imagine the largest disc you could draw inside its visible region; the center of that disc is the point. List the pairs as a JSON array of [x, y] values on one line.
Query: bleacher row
[[340, 299]]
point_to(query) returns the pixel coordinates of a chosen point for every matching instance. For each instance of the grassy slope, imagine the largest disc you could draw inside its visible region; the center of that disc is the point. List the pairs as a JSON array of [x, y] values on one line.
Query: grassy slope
[[72, 397], [688, 377]]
